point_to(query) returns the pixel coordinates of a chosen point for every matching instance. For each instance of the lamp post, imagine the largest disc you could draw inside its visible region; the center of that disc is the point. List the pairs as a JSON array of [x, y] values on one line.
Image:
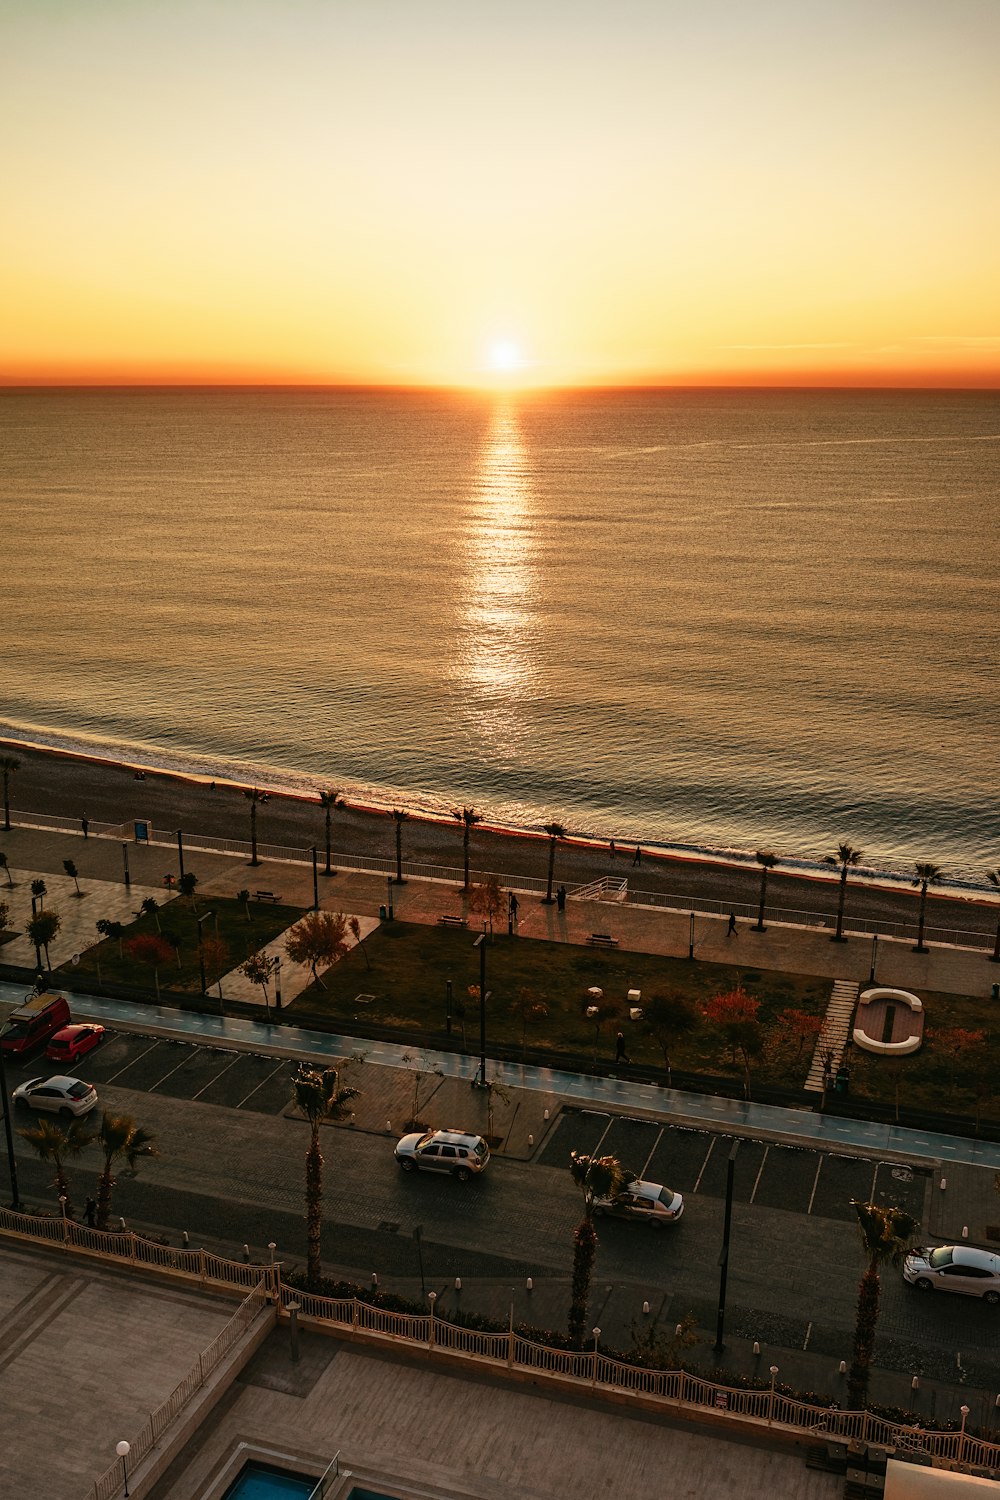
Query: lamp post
[[770, 1403], [724, 1252], [691, 936], [961, 1436], [277, 981], [15, 1202], [597, 1339], [201, 954], [480, 943], [128, 878], [180, 852], [448, 1001], [315, 905], [123, 1450], [388, 899], [871, 976]]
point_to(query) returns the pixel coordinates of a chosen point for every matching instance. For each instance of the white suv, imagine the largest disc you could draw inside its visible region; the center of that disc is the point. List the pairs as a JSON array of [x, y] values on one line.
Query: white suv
[[443, 1151]]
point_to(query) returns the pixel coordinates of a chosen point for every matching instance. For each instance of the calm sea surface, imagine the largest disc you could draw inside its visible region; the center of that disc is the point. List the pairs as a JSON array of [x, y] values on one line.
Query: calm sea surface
[[724, 619]]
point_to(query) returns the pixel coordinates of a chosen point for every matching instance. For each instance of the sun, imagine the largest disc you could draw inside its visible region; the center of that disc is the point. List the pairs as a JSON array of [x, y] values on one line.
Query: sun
[[505, 357]]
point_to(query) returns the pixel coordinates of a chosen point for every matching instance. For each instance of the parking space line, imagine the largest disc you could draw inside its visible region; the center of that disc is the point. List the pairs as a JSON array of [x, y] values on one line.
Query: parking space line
[[649, 1158], [760, 1171], [235, 1059], [871, 1190], [132, 1060], [190, 1053], [805, 1341], [812, 1195], [711, 1148], [611, 1120], [262, 1083]]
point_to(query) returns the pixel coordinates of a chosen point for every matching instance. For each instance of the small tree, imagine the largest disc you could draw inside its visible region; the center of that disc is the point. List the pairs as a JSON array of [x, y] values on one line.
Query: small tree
[[70, 867], [800, 1026], [148, 948], [926, 875], [421, 1068], [187, 885], [4, 915], [39, 890], [468, 817], [259, 969], [735, 1013], [9, 766], [243, 897], [400, 817], [669, 1018], [317, 939], [257, 799], [329, 801], [487, 899], [119, 1137], [150, 907], [41, 929], [885, 1237], [58, 1143], [494, 1090], [528, 1010], [596, 1177], [355, 929], [113, 931], [555, 831]]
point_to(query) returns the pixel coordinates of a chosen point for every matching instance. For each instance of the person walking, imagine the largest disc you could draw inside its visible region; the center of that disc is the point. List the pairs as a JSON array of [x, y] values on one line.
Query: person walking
[[561, 898], [85, 825], [637, 856], [512, 912], [611, 848], [731, 930], [620, 1056]]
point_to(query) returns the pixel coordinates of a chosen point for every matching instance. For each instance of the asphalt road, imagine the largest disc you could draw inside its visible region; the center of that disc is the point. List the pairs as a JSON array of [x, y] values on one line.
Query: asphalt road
[[230, 1170]]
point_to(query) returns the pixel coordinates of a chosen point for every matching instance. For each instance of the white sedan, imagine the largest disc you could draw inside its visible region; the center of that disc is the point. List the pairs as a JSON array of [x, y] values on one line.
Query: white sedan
[[955, 1268], [60, 1096]]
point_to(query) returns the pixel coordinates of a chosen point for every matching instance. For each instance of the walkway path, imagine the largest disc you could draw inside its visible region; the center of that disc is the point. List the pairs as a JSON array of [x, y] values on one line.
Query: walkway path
[[832, 1039]]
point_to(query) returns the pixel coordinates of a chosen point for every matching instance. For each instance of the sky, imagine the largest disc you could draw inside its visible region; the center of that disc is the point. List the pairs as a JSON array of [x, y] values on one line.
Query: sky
[[524, 192]]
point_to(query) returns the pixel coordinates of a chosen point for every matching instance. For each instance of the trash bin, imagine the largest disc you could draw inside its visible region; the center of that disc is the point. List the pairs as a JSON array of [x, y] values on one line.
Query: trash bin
[[381, 912], [843, 1081]]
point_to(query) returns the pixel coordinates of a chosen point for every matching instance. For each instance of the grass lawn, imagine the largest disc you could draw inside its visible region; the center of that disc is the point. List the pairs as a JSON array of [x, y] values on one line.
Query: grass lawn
[[179, 918], [405, 986], [931, 1078]]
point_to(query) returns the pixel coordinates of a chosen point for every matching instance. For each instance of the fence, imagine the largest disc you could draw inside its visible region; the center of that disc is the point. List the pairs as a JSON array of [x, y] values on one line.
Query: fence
[[605, 889], [501, 1350]]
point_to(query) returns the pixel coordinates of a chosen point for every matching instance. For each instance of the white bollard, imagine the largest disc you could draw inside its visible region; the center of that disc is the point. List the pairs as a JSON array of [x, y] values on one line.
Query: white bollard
[[529, 1285], [756, 1347], [645, 1308], [458, 1283], [965, 1231], [545, 1116], [915, 1383], [388, 1126], [531, 1140], [943, 1183], [678, 1330], [246, 1253], [374, 1280], [843, 1367], [187, 1239]]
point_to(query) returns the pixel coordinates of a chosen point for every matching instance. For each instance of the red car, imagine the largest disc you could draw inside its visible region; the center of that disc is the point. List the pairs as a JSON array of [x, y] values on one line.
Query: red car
[[73, 1042]]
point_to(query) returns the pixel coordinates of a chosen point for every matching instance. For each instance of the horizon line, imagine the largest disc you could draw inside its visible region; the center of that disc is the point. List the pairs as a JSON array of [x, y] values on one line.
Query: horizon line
[[498, 388]]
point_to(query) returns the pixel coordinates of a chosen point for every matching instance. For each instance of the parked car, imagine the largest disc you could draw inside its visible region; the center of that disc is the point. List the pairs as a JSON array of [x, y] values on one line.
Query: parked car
[[60, 1096], [955, 1268], [74, 1041], [647, 1202], [443, 1151], [34, 1022]]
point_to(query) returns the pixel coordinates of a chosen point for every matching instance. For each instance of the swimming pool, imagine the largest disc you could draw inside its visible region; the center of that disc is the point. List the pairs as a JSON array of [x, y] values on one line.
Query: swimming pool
[[261, 1482]]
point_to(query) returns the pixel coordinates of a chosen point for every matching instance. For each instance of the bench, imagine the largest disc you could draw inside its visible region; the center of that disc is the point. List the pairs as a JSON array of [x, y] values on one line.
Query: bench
[[602, 940], [452, 922], [266, 896]]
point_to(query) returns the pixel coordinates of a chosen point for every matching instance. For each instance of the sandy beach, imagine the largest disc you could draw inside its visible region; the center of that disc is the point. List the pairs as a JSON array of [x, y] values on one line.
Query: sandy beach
[[76, 786]]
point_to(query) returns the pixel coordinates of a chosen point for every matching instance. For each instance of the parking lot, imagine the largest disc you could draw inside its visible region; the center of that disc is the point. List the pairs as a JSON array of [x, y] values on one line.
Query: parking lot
[[695, 1162]]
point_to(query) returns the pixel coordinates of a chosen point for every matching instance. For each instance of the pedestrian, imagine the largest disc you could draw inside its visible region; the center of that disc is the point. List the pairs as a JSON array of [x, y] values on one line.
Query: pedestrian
[[512, 913], [561, 898], [90, 1212], [85, 825], [731, 931], [611, 848], [637, 856], [620, 1048]]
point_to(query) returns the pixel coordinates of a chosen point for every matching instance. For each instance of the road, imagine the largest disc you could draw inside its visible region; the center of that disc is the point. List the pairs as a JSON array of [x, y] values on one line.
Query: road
[[230, 1170]]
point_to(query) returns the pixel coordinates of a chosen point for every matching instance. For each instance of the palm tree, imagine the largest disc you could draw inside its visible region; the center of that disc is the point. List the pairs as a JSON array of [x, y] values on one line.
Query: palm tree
[[401, 817], [555, 832], [885, 1236], [328, 801], [8, 765], [844, 857], [993, 876], [767, 861], [596, 1177], [118, 1137], [256, 798], [469, 817], [926, 875], [57, 1143], [319, 1097]]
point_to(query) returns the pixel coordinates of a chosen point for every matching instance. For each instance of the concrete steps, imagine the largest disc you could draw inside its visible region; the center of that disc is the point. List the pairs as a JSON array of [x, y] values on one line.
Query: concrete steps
[[836, 1029]]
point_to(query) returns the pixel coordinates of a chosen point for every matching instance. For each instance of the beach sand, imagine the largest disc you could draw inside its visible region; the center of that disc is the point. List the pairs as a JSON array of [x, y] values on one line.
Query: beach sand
[[75, 786]]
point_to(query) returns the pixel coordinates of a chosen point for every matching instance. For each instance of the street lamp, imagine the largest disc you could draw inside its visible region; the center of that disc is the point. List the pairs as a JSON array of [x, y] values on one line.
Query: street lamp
[[961, 1437], [201, 955], [480, 943], [11, 1161], [277, 981], [315, 879], [691, 936], [128, 878], [123, 1450], [388, 899], [770, 1406], [871, 976]]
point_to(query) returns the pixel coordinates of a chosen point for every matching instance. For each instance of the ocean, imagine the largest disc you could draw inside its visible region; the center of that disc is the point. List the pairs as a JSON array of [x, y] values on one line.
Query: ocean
[[707, 619]]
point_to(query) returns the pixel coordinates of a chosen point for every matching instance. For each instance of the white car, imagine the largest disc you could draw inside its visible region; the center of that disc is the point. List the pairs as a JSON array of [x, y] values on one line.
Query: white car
[[453, 1151], [649, 1202], [61, 1096], [955, 1268]]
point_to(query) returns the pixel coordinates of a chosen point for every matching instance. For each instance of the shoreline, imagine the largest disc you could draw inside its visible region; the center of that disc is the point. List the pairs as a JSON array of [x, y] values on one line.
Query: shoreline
[[195, 798]]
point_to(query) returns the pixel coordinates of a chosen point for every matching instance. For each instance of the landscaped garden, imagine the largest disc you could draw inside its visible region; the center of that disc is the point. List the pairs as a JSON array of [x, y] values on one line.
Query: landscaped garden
[[956, 1071]]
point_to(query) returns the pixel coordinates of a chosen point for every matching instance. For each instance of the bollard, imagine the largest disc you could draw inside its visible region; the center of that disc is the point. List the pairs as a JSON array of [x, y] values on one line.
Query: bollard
[[458, 1283], [529, 1285], [121, 1224], [915, 1383], [645, 1308], [374, 1281], [388, 1126], [843, 1367], [965, 1231], [756, 1349], [272, 1246], [294, 1308], [678, 1330], [531, 1140], [943, 1183], [246, 1254], [545, 1115], [186, 1239]]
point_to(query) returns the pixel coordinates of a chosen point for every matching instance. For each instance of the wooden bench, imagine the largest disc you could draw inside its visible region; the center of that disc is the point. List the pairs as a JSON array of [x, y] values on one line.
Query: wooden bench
[[452, 922], [266, 896], [602, 940]]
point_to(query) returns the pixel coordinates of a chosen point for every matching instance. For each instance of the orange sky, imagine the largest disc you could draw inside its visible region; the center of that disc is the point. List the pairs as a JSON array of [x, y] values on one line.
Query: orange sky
[[414, 191]]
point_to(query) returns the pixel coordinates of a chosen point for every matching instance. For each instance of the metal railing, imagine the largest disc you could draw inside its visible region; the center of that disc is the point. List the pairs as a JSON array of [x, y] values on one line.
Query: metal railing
[[501, 1349], [331, 1472], [604, 889]]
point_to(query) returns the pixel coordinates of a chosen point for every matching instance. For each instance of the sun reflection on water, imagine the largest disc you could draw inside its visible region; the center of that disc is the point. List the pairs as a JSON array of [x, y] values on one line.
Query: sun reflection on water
[[497, 664]]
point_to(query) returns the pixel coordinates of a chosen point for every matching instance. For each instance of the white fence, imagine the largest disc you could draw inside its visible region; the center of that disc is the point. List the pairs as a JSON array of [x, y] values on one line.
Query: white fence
[[674, 1390]]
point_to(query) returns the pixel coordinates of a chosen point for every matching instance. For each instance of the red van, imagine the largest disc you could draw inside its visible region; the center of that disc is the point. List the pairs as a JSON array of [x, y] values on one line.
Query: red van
[[34, 1022]]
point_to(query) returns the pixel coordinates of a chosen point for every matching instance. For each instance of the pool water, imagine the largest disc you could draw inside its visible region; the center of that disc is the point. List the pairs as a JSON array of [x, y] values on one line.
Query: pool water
[[259, 1482]]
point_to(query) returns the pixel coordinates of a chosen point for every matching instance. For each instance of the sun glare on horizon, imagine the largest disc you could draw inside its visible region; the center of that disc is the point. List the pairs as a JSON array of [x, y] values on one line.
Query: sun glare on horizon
[[505, 357]]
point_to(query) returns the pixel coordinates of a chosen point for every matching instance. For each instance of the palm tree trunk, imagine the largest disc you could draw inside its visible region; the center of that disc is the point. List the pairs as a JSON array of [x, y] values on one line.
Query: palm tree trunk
[[253, 834], [314, 1209], [6, 803], [996, 947], [399, 854], [552, 867], [584, 1254], [328, 870], [465, 847], [921, 947], [838, 936], [759, 927], [864, 1338], [104, 1195]]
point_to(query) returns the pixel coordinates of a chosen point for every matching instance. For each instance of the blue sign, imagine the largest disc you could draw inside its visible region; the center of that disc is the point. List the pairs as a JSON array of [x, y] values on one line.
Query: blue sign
[[142, 832]]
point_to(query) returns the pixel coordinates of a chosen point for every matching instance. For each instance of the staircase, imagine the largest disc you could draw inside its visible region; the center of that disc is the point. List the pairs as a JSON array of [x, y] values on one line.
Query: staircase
[[836, 1029], [601, 890]]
